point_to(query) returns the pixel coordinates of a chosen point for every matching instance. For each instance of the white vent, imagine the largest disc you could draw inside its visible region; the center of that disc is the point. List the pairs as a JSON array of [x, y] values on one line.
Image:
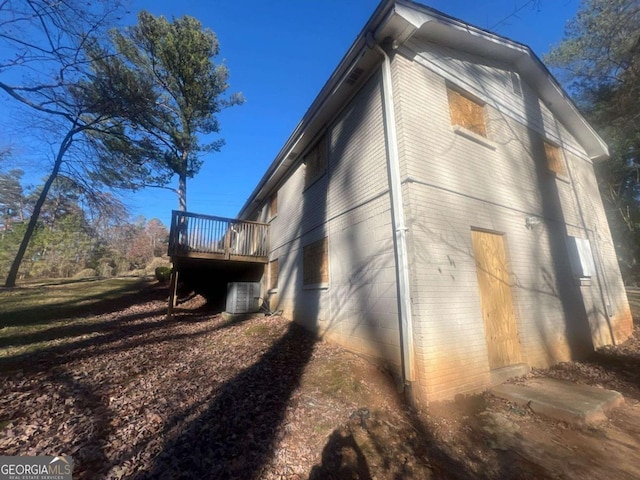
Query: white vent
[[243, 297], [354, 76], [515, 84]]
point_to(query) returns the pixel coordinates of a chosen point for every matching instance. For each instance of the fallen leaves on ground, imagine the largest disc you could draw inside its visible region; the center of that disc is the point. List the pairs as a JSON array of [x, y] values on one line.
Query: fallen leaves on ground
[[198, 396]]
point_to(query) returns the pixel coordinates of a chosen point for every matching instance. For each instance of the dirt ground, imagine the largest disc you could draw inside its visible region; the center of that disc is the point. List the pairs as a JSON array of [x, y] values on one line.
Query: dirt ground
[[138, 395]]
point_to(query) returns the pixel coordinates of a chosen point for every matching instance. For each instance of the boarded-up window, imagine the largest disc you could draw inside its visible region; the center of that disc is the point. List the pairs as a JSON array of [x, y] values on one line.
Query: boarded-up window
[[554, 158], [466, 112], [315, 262], [315, 162], [273, 205], [273, 274]]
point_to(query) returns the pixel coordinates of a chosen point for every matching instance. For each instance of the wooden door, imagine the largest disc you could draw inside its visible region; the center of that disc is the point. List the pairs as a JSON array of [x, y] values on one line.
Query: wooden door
[[496, 300]]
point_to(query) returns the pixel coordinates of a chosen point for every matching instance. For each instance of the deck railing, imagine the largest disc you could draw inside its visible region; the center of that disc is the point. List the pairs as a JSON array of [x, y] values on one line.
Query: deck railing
[[205, 236]]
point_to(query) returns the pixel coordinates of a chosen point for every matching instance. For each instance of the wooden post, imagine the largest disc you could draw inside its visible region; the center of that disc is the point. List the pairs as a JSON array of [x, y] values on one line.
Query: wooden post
[[173, 292]]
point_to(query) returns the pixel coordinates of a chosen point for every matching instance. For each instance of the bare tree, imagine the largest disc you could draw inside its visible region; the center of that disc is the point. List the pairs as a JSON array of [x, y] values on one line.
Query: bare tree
[[47, 68]]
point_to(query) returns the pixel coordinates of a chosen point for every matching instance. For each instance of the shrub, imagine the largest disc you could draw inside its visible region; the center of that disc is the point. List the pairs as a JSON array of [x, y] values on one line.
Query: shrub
[[104, 270], [163, 274], [157, 262]]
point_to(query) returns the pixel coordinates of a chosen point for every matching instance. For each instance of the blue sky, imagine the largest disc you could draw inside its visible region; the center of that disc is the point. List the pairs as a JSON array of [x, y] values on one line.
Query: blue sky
[[279, 54]]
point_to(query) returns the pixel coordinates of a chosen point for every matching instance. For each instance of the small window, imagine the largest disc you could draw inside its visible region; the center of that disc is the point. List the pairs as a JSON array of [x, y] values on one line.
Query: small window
[[515, 84], [554, 158], [315, 163], [466, 112], [273, 205], [274, 270], [315, 263]]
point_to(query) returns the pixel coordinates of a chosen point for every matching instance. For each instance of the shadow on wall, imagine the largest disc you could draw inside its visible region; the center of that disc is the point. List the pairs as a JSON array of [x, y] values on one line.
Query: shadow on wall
[[346, 306], [552, 286], [554, 282], [577, 329], [364, 305]]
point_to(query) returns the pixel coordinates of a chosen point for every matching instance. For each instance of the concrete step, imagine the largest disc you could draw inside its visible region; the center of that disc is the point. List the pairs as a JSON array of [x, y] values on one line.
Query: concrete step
[[562, 400]]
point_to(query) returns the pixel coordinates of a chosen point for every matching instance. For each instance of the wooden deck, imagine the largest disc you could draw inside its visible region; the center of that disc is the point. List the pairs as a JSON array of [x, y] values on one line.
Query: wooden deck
[[196, 236], [215, 244]]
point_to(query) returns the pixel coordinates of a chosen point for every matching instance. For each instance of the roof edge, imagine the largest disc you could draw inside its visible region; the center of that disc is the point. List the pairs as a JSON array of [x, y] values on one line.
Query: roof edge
[[413, 17], [379, 16]]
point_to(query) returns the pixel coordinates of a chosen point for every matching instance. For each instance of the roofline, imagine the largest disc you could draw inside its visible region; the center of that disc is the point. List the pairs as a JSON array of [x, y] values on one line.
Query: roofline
[[334, 80], [526, 50], [376, 24]]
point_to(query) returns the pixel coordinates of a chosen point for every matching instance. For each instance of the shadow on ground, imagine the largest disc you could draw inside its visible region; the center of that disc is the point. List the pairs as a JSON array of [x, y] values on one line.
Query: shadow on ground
[[241, 419], [138, 319], [80, 306], [235, 436]]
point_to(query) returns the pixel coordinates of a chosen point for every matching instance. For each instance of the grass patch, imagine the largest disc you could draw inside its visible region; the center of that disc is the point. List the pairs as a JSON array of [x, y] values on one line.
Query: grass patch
[[38, 315], [41, 302], [333, 378], [258, 330]]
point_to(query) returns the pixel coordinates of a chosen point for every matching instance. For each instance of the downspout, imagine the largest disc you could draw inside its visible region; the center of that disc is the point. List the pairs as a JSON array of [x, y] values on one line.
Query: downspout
[[397, 218]]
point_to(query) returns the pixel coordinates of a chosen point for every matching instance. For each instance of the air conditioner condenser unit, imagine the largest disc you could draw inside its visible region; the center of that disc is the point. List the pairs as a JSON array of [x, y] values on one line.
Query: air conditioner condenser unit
[[243, 297]]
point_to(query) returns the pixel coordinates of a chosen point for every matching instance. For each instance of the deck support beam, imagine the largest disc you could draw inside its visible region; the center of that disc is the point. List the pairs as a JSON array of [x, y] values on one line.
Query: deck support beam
[[173, 291]]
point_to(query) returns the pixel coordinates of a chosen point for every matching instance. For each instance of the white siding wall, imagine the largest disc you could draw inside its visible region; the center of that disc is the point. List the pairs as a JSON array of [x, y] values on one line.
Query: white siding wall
[[453, 184], [349, 205], [605, 296], [490, 81]]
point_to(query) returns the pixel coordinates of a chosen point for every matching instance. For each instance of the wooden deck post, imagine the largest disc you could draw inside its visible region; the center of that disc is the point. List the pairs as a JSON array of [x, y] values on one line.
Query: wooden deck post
[[173, 292]]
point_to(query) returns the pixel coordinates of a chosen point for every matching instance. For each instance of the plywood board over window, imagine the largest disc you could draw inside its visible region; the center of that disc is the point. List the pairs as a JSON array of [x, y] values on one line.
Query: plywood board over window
[[315, 263], [554, 158], [273, 205], [466, 112], [274, 270], [315, 162]]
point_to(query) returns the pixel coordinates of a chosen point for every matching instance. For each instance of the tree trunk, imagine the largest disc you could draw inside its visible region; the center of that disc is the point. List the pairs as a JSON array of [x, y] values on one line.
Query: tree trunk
[[182, 193], [15, 266], [182, 182]]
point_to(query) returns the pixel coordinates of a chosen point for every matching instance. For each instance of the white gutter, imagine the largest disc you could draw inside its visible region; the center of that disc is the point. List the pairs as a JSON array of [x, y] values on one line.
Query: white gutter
[[397, 219]]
